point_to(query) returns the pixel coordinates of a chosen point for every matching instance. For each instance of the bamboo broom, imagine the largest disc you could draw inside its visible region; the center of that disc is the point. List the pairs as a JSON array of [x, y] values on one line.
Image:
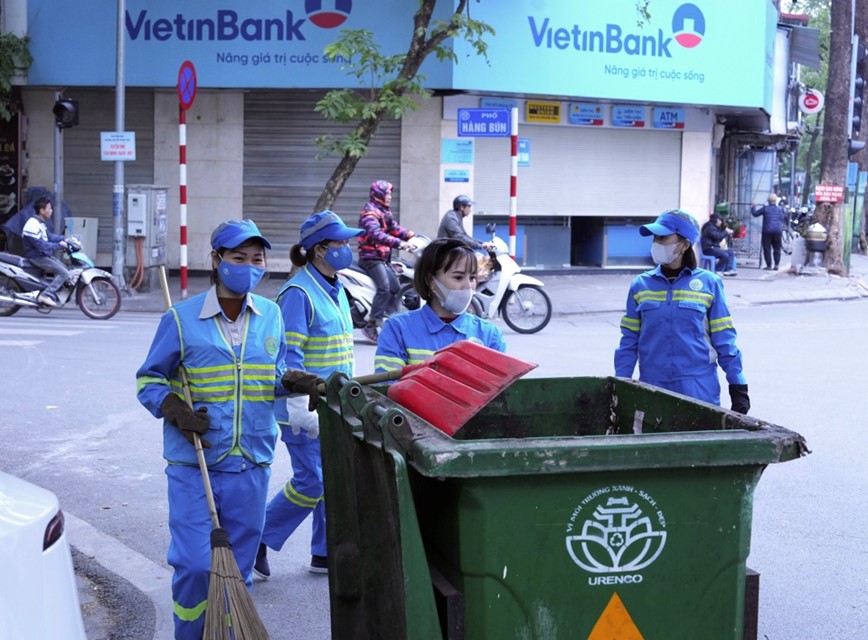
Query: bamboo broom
[[230, 612]]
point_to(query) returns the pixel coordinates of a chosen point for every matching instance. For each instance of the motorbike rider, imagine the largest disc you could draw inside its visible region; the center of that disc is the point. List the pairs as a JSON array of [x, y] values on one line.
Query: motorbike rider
[[452, 225], [382, 234], [39, 247], [319, 340], [446, 279]]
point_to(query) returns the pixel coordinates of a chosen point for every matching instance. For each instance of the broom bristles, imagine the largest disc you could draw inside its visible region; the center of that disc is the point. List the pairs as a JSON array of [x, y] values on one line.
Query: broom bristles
[[231, 614]]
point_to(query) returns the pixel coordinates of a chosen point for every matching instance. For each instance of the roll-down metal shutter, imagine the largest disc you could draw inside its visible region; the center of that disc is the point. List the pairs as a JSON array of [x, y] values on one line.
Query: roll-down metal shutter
[[88, 182], [283, 178], [582, 172]]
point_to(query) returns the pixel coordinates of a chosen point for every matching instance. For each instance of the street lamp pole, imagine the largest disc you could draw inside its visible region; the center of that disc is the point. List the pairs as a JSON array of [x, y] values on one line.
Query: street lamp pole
[[118, 191]]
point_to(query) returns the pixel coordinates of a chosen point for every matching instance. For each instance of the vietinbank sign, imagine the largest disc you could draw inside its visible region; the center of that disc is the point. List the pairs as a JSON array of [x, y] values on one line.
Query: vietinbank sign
[[685, 53], [233, 43]]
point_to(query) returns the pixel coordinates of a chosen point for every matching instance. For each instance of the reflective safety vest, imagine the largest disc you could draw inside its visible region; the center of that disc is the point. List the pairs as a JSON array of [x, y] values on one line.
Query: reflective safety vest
[[237, 390], [327, 345]]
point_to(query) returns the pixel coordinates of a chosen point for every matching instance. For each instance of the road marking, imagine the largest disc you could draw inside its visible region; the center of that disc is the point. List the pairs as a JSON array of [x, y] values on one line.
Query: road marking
[[6, 331], [615, 623], [19, 343]]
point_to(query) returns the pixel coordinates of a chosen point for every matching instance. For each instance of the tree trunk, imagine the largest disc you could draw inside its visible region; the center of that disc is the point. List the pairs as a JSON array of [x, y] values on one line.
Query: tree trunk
[[836, 128], [420, 47], [862, 157]]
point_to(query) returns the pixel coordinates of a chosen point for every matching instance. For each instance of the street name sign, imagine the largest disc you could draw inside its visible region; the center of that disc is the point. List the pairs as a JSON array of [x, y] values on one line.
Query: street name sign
[[483, 123]]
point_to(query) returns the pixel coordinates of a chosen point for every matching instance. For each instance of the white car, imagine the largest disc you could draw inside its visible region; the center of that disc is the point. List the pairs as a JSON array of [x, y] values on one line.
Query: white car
[[38, 593]]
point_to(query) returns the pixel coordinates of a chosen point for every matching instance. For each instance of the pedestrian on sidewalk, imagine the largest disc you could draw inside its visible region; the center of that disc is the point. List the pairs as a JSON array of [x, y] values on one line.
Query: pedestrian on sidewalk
[[319, 340], [230, 343], [773, 229], [713, 233], [382, 233], [445, 278], [677, 324]]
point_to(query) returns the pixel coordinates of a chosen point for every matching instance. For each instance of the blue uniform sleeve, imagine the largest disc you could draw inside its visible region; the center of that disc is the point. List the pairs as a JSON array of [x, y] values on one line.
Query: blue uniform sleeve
[[297, 312], [627, 352], [391, 351], [280, 366], [161, 363], [494, 338], [723, 335]]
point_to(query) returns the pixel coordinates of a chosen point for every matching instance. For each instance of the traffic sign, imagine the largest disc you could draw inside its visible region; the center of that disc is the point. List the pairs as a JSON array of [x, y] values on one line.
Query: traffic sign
[[811, 101], [483, 123], [826, 192], [186, 84]]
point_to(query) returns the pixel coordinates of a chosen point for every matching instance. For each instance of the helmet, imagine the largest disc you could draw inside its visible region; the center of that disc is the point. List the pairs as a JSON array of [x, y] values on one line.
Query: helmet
[[379, 190], [462, 201]]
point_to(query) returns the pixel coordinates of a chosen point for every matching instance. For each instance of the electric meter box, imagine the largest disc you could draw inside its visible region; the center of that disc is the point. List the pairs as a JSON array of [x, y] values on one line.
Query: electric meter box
[[147, 225], [86, 230]]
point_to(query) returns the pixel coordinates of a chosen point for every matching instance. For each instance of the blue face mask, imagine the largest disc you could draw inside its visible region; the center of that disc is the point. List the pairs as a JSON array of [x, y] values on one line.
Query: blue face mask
[[339, 257], [239, 278]]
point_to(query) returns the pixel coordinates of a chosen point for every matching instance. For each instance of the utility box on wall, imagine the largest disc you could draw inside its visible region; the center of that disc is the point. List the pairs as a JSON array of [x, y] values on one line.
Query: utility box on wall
[[86, 230], [147, 229]]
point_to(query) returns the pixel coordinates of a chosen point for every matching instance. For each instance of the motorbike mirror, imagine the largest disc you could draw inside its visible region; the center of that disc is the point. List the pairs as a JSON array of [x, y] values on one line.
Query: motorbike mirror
[[491, 227]]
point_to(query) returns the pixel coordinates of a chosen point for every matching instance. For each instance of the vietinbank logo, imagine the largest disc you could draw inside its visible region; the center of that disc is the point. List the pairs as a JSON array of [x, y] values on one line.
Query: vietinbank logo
[[688, 26], [227, 25], [328, 15]]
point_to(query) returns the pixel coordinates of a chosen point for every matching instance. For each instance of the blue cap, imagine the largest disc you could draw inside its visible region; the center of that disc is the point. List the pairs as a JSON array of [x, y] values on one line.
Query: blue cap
[[233, 233], [673, 221], [325, 225]]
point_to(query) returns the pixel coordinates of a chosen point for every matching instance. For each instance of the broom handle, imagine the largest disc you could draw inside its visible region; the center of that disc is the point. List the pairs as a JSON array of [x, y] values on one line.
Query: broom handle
[[197, 441], [372, 378]]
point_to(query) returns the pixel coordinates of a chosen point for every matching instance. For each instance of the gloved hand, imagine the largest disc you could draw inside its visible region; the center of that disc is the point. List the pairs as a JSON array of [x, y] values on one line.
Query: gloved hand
[[181, 415], [739, 397], [296, 381], [301, 418]]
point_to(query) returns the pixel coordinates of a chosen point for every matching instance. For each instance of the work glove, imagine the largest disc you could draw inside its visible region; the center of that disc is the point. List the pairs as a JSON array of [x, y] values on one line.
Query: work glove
[[181, 415], [739, 397], [301, 418], [302, 382]]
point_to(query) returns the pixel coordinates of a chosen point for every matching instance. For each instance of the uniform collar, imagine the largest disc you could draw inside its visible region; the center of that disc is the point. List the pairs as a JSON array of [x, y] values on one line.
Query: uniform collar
[[211, 306], [434, 323], [328, 287], [685, 270]]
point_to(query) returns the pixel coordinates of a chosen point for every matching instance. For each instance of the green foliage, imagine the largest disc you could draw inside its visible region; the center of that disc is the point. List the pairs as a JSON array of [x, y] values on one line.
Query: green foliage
[[386, 81], [14, 58]]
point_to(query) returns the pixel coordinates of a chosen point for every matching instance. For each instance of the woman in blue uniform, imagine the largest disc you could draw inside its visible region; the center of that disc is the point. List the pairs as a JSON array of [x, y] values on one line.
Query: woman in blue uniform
[[445, 278], [230, 343], [319, 340], [677, 324]]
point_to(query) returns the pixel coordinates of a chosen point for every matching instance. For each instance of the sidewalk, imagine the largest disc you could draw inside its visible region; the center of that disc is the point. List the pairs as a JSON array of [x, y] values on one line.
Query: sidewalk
[[573, 294], [579, 293]]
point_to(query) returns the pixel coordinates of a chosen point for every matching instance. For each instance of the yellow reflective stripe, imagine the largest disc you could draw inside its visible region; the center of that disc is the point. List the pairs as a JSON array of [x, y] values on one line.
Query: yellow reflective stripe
[[720, 324], [337, 339], [646, 295], [388, 363], [211, 369], [326, 360], [420, 353], [146, 380], [299, 498], [295, 337], [631, 324], [189, 615]]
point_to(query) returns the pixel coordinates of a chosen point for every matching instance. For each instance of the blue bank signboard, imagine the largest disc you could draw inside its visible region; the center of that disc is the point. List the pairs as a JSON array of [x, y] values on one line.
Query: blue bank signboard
[[703, 52]]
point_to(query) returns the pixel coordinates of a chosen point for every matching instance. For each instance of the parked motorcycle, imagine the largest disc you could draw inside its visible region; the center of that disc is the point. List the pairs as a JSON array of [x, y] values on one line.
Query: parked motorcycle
[[94, 291], [360, 287], [520, 299]]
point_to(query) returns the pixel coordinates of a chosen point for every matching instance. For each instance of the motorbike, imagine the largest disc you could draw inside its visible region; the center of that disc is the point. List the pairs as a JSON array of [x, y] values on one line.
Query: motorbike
[[360, 287], [93, 289], [518, 298]]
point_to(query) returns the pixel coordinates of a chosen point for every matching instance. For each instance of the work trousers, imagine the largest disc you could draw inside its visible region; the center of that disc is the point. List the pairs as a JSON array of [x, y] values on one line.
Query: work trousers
[[386, 299], [301, 496], [240, 500]]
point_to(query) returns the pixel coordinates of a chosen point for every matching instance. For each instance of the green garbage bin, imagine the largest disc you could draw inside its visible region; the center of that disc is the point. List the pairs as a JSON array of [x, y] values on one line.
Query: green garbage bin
[[566, 508]]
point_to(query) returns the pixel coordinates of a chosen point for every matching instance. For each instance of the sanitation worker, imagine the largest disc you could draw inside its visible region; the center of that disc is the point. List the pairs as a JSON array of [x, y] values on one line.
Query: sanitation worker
[[677, 324], [319, 340], [231, 345], [446, 279]]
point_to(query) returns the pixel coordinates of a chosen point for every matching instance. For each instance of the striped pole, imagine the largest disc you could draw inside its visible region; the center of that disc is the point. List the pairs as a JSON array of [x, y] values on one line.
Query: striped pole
[[513, 180], [182, 138]]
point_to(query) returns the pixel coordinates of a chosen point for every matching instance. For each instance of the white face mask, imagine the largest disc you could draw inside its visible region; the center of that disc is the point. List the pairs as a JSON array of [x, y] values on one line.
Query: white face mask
[[664, 254], [453, 300]]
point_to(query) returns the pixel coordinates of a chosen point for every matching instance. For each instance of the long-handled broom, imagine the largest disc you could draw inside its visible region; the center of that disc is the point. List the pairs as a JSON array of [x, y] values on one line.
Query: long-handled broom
[[230, 613]]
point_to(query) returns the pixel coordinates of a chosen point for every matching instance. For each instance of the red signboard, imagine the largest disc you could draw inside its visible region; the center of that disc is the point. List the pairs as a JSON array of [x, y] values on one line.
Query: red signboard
[[829, 193]]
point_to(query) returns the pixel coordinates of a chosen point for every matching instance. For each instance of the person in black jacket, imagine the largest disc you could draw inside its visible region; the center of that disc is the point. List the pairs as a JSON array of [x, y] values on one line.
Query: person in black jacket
[[773, 227], [713, 233]]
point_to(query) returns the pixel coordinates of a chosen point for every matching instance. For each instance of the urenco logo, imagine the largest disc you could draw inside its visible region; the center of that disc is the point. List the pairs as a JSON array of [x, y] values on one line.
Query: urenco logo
[[688, 29]]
